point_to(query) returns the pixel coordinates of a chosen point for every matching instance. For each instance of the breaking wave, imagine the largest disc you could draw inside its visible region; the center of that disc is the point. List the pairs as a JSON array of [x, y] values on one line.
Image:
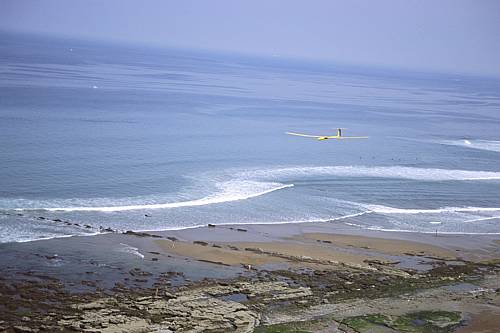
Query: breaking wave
[[227, 192], [391, 210], [249, 184], [451, 220], [398, 172]]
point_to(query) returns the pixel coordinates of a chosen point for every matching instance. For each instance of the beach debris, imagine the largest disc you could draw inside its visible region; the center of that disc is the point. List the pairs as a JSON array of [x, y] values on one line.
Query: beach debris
[[210, 225]]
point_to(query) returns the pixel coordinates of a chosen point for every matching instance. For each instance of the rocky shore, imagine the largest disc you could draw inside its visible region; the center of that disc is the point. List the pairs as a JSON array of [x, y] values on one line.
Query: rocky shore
[[197, 281]]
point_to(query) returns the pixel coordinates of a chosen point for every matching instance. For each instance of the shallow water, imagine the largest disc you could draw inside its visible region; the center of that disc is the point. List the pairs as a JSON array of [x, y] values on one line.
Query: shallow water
[[104, 134]]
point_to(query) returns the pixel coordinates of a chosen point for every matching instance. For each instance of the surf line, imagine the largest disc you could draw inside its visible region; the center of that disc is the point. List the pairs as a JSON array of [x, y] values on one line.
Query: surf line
[[350, 215], [209, 200]]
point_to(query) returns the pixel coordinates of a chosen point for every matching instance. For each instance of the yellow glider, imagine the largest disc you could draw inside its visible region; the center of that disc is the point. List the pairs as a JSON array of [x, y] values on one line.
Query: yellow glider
[[326, 137]]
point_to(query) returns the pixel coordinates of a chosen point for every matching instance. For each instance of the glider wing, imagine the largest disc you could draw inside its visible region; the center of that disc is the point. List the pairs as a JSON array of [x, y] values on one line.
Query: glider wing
[[304, 135], [352, 137]]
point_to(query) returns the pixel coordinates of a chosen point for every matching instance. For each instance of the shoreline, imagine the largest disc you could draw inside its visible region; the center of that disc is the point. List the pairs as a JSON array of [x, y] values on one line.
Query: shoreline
[[253, 277], [353, 228]]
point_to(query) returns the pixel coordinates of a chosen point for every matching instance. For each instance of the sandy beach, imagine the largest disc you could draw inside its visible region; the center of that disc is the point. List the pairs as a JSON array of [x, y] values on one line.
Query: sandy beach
[[312, 277]]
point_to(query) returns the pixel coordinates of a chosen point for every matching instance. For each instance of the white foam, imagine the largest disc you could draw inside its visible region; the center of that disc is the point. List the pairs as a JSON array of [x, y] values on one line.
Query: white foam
[[132, 250], [391, 210], [422, 220], [349, 216], [26, 239], [228, 191], [490, 145], [311, 220], [401, 172], [254, 183], [482, 219]]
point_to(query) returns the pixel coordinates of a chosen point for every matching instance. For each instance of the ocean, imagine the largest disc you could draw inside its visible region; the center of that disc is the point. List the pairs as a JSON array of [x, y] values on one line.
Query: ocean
[[96, 136]]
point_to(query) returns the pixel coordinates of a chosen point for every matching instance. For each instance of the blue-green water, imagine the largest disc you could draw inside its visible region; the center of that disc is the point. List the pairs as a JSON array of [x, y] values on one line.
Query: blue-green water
[[103, 135]]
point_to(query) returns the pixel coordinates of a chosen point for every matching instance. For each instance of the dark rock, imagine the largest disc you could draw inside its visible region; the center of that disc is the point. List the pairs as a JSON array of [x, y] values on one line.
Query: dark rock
[[214, 262], [200, 243], [88, 283], [138, 272], [211, 225], [24, 329], [140, 234]]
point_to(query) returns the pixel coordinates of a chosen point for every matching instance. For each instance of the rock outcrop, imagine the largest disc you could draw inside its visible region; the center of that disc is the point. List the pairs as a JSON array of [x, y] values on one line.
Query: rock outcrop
[[203, 309]]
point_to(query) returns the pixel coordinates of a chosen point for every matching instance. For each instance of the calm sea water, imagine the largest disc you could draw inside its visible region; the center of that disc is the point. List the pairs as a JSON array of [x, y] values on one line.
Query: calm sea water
[[103, 135]]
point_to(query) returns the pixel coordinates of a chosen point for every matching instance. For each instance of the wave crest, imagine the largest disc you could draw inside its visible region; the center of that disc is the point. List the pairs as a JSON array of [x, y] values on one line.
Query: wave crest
[[228, 191], [391, 210], [401, 172]]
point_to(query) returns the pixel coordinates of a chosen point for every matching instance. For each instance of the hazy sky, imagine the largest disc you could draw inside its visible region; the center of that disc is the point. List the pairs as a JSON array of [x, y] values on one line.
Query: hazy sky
[[442, 35]]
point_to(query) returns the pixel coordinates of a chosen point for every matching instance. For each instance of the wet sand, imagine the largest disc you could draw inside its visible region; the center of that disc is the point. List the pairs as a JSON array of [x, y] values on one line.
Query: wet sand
[[324, 241], [260, 253], [382, 245]]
